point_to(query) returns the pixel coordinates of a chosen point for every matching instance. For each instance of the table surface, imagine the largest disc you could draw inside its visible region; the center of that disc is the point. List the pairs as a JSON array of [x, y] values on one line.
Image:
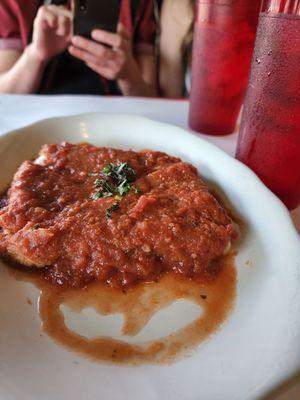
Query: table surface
[[17, 111]]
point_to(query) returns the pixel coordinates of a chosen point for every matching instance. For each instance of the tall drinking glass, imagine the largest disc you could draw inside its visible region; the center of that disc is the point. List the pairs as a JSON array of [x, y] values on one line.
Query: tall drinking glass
[[269, 140], [224, 38]]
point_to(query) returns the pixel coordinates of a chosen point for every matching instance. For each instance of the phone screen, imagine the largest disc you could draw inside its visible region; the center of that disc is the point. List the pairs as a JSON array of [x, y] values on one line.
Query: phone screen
[[95, 14]]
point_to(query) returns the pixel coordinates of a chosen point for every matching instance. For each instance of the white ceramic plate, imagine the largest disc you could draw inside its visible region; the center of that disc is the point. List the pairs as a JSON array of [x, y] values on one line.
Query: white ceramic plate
[[257, 348]]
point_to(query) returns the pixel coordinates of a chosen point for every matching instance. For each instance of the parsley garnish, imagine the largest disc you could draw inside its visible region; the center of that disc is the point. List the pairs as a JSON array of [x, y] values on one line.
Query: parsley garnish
[[113, 208], [136, 190], [106, 189], [119, 173], [124, 188], [116, 181], [101, 195]]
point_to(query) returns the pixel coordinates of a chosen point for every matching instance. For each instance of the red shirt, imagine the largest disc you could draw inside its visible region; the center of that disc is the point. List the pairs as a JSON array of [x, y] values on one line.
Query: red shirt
[[17, 16]]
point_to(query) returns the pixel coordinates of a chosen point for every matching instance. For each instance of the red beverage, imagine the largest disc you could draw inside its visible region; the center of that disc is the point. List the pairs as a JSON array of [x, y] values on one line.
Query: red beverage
[[223, 44], [269, 140]]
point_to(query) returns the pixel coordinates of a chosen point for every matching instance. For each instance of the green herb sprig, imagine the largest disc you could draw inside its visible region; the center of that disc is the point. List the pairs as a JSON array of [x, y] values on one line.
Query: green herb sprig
[[116, 180], [113, 208], [120, 172]]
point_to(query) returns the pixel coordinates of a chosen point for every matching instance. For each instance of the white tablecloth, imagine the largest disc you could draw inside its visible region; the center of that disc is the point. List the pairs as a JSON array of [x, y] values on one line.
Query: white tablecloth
[[18, 111]]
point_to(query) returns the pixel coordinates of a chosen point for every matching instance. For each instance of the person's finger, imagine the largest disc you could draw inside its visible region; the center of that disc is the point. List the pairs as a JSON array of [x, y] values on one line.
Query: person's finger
[[60, 10], [63, 26], [106, 72], [64, 18], [44, 15], [95, 49], [102, 53], [83, 55], [123, 31], [43, 25], [108, 38]]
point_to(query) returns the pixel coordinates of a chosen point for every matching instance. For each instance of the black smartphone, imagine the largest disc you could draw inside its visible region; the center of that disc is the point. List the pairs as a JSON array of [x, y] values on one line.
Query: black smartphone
[[95, 14]]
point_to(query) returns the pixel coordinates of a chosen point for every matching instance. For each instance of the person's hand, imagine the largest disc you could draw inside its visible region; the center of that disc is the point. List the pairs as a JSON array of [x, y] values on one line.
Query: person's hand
[[51, 31], [115, 62]]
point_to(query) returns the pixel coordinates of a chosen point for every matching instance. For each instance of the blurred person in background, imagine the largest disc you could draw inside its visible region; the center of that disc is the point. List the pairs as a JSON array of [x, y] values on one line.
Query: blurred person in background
[[38, 53], [175, 47]]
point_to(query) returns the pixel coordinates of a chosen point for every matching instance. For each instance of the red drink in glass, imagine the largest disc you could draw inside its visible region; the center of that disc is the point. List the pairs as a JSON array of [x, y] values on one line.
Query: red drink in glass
[[269, 140], [223, 45]]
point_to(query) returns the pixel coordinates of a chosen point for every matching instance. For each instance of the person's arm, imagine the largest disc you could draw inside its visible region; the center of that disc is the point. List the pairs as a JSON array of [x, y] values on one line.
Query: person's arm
[[8, 58], [176, 17], [21, 72], [135, 76]]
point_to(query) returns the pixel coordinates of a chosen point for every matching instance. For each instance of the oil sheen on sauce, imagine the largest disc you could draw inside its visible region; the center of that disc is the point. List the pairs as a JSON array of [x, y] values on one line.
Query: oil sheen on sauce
[[138, 305]]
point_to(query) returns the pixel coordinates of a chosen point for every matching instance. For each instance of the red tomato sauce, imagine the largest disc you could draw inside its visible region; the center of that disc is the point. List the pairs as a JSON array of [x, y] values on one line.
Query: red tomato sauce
[[169, 223]]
